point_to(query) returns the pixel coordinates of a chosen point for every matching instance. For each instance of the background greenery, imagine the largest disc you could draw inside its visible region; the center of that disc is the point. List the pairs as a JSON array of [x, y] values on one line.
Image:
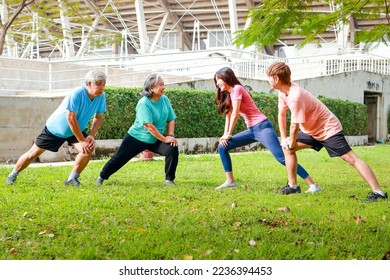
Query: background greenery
[[197, 116], [133, 216]]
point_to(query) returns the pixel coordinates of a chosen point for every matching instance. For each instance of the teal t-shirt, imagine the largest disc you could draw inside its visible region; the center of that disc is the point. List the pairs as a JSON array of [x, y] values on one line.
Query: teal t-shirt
[[77, 101], [148, 111]]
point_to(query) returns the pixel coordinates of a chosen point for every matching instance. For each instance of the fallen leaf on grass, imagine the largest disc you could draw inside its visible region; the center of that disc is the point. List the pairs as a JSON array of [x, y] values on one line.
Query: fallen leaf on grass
[[48, 228], [285, 209], [74, 226], [237, 224], [104, 222], [141, 230], [353, 197], [188, 257], [252, 242], [13, 251], [358, 219], [274, 223], [208, 252]]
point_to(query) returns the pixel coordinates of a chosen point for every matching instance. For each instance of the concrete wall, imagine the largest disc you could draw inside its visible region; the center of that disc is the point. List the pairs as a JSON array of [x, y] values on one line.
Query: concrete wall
[[21, 120]]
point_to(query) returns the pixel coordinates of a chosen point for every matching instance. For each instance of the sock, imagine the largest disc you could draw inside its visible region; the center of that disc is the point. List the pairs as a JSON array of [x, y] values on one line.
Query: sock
[[14, 173], [293, 186], [380, 192], [73, 175], [100, 179]]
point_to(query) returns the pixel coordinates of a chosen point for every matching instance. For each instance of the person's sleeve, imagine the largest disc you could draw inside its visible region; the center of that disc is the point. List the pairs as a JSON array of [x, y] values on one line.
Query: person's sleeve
[[298, 112], [144, 115], [103, 105], [74, 102], [237, 93], [171, 112], [282, 104]]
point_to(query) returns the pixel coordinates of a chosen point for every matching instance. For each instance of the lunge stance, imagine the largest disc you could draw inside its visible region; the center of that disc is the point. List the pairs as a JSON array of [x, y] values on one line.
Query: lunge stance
[[314, 126]]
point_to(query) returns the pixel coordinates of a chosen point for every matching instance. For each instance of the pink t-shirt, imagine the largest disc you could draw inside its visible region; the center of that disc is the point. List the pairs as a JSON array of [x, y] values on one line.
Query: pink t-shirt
[[313, 116], [248, 109]]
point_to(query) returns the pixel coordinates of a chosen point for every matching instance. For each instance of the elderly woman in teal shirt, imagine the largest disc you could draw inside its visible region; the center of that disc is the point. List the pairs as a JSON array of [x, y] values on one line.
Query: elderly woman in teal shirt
[[154, 117]]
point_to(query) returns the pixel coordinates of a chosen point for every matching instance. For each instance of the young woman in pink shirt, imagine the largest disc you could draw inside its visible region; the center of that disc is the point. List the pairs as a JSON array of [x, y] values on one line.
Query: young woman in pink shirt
[[314, 126], [233, 101]]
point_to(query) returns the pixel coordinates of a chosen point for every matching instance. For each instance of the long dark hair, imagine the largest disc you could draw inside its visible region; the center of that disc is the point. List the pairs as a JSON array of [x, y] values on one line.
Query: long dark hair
[[222, 98]]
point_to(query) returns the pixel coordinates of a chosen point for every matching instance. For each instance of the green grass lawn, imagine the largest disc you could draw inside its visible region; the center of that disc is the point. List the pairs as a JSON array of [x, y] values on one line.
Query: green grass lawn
[[133, 216]]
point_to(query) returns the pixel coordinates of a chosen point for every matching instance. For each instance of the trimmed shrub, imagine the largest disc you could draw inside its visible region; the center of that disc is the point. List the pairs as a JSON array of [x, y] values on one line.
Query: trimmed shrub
[[197, 116]]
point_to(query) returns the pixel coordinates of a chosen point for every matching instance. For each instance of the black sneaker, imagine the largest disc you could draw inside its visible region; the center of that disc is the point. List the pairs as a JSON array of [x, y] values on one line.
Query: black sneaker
[[289, 190], [375, 196], [74, 182]]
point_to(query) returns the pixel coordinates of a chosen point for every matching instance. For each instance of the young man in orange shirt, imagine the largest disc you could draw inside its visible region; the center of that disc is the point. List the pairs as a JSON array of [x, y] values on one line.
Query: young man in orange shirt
[[314, 126]]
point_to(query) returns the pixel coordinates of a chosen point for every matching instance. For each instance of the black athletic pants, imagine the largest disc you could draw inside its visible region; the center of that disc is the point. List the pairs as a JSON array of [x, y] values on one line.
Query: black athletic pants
[[130, 147]]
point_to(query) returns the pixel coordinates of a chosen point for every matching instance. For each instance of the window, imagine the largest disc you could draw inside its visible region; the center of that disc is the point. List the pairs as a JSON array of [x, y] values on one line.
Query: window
[[219, 38]]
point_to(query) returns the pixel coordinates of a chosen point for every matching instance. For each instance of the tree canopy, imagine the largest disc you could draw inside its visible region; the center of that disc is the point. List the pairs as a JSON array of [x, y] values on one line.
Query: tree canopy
[[273, 19], [25, 20]]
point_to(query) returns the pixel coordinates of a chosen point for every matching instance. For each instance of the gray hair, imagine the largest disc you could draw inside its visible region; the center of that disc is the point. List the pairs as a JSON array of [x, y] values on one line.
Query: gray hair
[[150, 82], [94, 76]]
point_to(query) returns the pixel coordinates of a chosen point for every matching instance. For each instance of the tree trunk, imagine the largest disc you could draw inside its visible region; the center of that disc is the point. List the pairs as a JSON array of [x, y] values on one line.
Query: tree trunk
[[9, 22]]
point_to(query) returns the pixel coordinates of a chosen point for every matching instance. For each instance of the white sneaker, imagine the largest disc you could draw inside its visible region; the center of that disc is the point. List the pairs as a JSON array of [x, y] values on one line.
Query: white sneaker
[[169, 183], [313, 189], [227, 184]]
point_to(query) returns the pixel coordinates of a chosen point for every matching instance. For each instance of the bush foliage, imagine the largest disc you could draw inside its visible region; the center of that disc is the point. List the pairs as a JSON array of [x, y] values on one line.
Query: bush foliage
[[197, 116]]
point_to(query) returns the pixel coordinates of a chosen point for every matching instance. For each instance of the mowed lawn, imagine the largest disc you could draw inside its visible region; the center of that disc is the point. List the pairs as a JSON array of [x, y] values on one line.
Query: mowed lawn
[[132, 216]]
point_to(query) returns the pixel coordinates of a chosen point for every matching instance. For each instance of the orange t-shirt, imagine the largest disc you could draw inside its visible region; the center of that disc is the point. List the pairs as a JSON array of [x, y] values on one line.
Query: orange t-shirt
[[313, 116]]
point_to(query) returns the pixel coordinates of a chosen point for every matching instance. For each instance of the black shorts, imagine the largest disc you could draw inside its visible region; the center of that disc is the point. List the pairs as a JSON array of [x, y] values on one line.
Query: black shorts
[[50, 142], [336, 145]]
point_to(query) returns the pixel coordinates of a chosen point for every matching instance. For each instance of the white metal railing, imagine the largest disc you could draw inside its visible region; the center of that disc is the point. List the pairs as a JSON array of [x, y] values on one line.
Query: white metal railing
[[21, 75]]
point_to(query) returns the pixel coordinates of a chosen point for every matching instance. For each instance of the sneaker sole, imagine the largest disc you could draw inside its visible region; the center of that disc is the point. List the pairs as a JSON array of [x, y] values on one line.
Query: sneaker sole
[[315, 191], [225, 187]]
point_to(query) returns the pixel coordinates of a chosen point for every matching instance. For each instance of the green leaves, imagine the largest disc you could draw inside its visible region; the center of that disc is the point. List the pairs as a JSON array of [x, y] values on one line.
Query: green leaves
[[273, 19]]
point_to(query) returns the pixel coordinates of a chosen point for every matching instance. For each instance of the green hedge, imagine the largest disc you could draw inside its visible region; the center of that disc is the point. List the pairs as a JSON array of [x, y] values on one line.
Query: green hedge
[[388, 122], [197, 117]]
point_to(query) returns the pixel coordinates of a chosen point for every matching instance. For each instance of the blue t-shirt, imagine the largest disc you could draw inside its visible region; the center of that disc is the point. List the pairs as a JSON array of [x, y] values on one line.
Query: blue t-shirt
[[78, 102], [148, 111]]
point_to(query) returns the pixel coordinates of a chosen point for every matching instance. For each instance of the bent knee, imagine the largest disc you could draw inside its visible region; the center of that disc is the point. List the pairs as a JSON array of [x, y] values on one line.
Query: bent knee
[[351, 158], [173, 150], [222, 149], [32, 155]]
